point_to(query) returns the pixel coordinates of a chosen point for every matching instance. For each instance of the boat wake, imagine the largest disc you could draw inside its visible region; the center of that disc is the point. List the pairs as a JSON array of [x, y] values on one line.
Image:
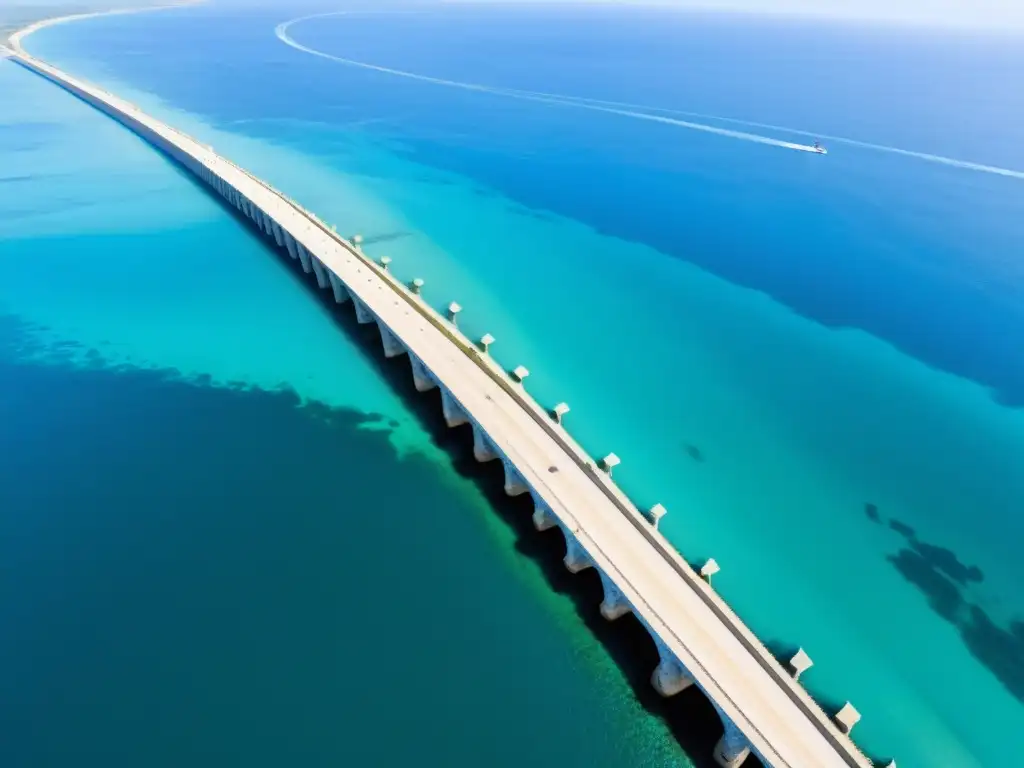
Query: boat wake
[[536, 96], [661, 115]]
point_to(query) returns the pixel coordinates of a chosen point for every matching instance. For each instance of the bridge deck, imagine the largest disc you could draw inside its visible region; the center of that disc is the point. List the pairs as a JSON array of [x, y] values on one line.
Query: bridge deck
[[781, 722]]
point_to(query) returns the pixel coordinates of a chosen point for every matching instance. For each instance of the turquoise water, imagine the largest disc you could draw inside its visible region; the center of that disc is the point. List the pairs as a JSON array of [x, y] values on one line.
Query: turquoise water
[[228, 534], [809, 361]]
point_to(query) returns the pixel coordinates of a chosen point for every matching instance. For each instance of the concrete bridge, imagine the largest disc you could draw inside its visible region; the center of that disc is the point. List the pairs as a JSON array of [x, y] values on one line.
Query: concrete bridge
[[763, 708]]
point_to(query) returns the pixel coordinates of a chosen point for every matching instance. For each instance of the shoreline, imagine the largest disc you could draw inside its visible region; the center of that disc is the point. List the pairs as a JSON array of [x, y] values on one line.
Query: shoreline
[[13, 40]]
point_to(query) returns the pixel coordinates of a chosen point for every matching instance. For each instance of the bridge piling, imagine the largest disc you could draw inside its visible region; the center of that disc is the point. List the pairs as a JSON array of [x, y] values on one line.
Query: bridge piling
[[670, 677], [304, 258], [320, 271], [454, 416], [392, 346], [421, 377], [543, 518], [733, 748], [576, 558], [482, 448], [340, 291], [615, 605], [363, 315], [514, 483]]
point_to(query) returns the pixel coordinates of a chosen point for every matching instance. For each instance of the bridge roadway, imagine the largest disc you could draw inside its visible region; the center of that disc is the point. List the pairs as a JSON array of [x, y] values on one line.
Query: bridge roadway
[[700, 640]]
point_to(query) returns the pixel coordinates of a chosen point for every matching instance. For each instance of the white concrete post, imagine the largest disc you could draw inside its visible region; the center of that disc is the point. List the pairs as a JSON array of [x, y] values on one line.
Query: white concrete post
[[485, 343], [384, 262], [615, 605], [417, 285], [709, 569], [576, 558], [514, 483], [357, 242], [454, 416], [519, 373], [610, 462], [482, 448], [800, 663], [847, 717], [656, 513], [453, 313], [559, 411]]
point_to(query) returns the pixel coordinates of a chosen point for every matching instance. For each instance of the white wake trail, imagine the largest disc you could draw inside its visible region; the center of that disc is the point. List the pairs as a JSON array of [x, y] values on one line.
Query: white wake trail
[[281, 31], [940, 159], [649, 113]]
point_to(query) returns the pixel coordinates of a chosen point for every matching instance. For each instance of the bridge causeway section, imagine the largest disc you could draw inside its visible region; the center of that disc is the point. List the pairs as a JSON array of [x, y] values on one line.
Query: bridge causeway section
[[763, 708]]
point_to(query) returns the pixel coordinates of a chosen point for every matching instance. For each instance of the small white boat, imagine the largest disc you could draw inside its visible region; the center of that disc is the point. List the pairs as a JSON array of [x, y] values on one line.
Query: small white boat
[[818, 149]]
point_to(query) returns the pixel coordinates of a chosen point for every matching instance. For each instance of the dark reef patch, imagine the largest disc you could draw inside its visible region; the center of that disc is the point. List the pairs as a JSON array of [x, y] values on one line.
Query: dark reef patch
[[694, 452], [939, 574]]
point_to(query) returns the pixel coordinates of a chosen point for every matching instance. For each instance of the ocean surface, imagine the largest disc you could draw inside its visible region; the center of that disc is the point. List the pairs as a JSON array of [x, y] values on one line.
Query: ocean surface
[[813, 362]]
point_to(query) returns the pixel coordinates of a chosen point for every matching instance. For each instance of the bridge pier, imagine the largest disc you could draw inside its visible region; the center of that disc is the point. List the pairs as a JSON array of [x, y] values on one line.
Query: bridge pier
[[670, 676], [543, 517], [278, 236], [340, 291], [514, 483], [321, 272], [482, 448], [363, 315], [289, 243], [615, 605], [454, 416], [733, 748], [421, 377], [304, 258], [576, 558], [392, 346]]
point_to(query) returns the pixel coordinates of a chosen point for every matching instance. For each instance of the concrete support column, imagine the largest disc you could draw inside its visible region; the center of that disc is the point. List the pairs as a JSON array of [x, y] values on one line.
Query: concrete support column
[[289, 243], [514, 483], [576, 558], [278, 234], [615, 605], [454, 416], [543, 517], [421, 377], [340, 291], [268, 225], [363, 315], [733, 748], [482, 448], [392, 346], [321, 272], [670, 676], [304, 258]]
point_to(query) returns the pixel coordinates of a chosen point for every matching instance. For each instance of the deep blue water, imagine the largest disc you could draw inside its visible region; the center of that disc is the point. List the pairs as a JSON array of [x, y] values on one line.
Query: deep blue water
[[812, 361]]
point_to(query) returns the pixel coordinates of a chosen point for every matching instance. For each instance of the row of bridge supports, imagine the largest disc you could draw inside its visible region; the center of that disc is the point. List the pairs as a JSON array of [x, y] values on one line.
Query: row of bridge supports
[[671, 676]]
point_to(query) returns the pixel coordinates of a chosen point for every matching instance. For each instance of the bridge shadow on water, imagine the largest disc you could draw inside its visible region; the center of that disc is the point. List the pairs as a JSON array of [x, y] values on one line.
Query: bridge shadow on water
[[689, 715]]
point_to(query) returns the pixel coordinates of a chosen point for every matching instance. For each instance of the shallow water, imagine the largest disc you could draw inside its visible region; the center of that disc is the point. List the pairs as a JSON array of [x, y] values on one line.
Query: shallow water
[[230, 534], [810, 361]]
